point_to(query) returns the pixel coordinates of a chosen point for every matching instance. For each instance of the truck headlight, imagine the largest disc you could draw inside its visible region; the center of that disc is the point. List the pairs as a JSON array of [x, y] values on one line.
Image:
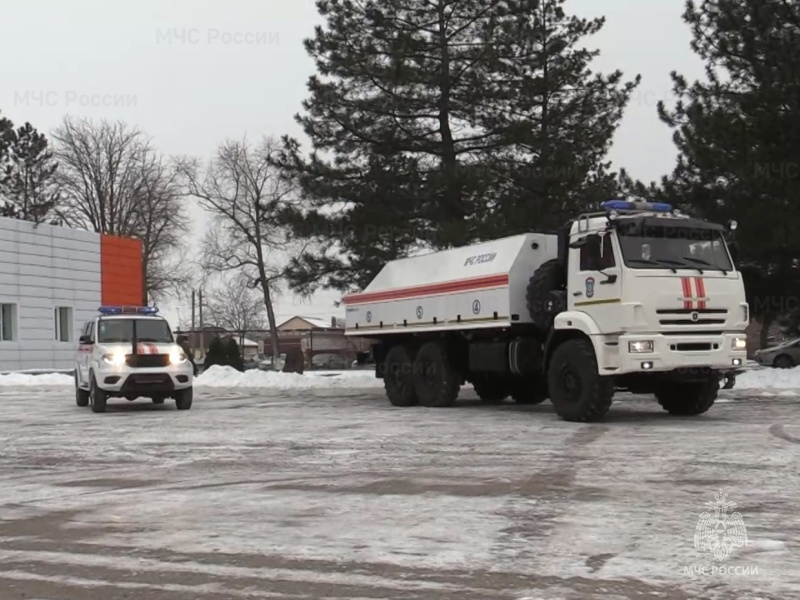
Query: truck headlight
[[116, 359], [176, 357], [739, 343], [640, 347]]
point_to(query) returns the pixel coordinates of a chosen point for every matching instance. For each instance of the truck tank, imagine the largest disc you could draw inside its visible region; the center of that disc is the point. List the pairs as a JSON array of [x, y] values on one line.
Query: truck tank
[[472, 287]]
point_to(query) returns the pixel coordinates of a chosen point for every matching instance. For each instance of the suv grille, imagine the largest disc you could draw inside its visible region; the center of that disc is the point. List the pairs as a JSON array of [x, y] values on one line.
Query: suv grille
[[147, 361]]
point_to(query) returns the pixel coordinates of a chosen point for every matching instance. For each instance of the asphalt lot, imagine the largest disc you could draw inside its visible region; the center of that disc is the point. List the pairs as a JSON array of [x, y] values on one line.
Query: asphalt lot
[[335, 494]]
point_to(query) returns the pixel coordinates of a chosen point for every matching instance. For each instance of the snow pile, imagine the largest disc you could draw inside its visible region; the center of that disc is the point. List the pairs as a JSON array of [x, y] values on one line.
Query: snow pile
[[31, 380], [227, 377], [769, 379]]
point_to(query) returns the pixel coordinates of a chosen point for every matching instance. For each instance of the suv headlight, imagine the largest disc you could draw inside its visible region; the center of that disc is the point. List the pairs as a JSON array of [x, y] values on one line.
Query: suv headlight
[[640, 347], [176, 357], [739, 343], [117, 359]]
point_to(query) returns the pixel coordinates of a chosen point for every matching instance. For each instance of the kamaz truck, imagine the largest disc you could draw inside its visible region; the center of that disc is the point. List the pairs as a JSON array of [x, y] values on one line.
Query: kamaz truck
[[635, 297]]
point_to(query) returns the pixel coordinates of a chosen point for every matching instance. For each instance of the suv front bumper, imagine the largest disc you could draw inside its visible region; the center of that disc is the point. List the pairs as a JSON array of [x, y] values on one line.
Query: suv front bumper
[[673, 352], [124, 381]]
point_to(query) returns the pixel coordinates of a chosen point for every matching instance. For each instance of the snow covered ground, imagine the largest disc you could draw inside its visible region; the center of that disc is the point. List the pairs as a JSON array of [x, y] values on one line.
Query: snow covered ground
[[281, 486]]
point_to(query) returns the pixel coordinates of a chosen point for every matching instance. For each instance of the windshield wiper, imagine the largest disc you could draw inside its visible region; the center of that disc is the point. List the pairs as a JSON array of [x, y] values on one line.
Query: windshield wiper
[[659, 263], [705, 262]]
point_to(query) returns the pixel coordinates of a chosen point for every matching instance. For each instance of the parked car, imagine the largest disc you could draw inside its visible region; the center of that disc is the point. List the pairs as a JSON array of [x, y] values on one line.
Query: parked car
[[781, 356], [329, 361]]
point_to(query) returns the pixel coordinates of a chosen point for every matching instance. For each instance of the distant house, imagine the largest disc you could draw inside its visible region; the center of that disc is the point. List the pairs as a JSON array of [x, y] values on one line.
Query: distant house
[[200, 339], [300, 323]]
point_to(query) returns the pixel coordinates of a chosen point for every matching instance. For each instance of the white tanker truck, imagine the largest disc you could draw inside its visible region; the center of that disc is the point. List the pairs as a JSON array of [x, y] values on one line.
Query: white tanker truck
[[635, 297]]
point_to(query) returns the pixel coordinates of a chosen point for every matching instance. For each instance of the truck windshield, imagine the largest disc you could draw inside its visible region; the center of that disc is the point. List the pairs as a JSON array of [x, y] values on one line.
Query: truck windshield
[[670, 247], [120, 331]]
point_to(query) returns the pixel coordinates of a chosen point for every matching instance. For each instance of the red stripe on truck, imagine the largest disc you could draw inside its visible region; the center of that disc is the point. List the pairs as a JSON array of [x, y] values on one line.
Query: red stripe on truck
[[687, 292], [701, 292], [459, 285]]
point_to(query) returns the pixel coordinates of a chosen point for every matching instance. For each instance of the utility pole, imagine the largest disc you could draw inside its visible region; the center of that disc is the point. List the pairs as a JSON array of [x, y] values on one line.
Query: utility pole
[[193, 302], [202, 329]]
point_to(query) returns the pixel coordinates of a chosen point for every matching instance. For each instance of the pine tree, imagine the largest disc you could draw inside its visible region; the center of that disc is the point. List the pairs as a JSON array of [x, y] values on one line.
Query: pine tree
[[438, 123], [28, 186], [738, 136], [6, 139], [216, 354]]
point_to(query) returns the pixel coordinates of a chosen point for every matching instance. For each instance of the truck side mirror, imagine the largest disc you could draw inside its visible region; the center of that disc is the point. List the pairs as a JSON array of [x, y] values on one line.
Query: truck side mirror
[[85, 339]]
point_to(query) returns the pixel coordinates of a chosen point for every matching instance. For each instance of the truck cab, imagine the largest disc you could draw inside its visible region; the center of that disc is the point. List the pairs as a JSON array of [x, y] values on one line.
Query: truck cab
[[655, 291]]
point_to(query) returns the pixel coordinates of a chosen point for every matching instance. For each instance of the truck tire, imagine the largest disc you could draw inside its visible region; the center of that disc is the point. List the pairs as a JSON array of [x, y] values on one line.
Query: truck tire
[[491, 389], [530, 390], [81, 396], [97, 397], [578, 392], [688, 399], [541, 300], [397, 378], [436, 379]]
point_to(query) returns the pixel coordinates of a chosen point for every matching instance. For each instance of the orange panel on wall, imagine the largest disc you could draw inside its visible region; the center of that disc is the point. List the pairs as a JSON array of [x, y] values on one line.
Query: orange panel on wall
[[121, 271]]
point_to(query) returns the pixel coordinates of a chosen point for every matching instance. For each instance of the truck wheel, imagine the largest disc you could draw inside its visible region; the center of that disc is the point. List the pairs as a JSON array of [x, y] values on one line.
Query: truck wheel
[[435, 378], [491, 389], [529, 390], [81, 396], [578, 392], [542, 304], [688, 399], [183, 399], [397, 378], [97, 397]]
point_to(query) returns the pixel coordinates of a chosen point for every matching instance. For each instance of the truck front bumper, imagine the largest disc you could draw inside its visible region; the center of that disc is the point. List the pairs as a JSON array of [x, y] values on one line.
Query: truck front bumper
[[680, 352]]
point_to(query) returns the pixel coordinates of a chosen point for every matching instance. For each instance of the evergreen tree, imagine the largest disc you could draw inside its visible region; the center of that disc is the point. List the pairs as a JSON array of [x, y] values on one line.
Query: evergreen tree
[[438, 123], [216, 354], [738, 135], [6, 139], [233, 356], [28, 187]]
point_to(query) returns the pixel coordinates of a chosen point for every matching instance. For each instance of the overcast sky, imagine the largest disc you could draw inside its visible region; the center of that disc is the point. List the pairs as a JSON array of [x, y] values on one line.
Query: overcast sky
[[192, 73]]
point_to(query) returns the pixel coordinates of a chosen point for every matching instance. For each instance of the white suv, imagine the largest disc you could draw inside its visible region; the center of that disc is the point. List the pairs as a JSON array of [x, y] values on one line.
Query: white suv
[[129, 352]]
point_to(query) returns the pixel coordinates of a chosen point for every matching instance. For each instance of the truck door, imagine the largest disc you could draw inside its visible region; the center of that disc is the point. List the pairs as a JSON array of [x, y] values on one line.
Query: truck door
[[595, 284]]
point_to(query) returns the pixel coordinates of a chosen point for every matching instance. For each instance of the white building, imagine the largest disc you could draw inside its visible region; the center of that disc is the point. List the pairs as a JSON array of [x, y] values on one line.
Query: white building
[[52, 280]]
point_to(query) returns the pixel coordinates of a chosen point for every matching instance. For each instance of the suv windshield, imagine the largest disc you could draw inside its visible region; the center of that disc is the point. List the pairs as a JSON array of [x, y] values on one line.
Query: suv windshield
[[671, 247], [120, 331]]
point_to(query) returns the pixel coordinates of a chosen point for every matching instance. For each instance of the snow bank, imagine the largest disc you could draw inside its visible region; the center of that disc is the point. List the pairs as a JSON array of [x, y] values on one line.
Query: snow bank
[[227, 377], [769, 379], [31, 380]]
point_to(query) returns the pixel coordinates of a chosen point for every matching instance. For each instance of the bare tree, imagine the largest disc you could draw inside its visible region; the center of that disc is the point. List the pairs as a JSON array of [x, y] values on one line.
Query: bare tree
[[236, 307], [113, 181], [245, 195]]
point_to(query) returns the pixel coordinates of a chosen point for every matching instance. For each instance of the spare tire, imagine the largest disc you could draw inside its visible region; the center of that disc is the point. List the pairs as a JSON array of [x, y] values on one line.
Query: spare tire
[[546, 294]]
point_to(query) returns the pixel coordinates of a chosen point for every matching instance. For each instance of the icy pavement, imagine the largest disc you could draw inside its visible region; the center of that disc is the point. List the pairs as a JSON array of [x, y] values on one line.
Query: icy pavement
[[332, 493]]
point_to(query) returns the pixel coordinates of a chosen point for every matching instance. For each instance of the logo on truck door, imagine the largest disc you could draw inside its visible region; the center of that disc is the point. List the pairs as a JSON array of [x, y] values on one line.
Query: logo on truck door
[[589, 287], [419, 312], [480, 259], [476, 307]]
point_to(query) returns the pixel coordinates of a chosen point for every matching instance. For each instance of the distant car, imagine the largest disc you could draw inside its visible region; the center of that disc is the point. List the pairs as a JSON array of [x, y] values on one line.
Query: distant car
[[129, 352], [781, 356], [329, 361]]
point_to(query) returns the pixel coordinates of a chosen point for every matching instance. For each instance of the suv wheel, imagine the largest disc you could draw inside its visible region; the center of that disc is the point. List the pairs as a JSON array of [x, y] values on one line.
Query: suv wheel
[[97, 397]]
